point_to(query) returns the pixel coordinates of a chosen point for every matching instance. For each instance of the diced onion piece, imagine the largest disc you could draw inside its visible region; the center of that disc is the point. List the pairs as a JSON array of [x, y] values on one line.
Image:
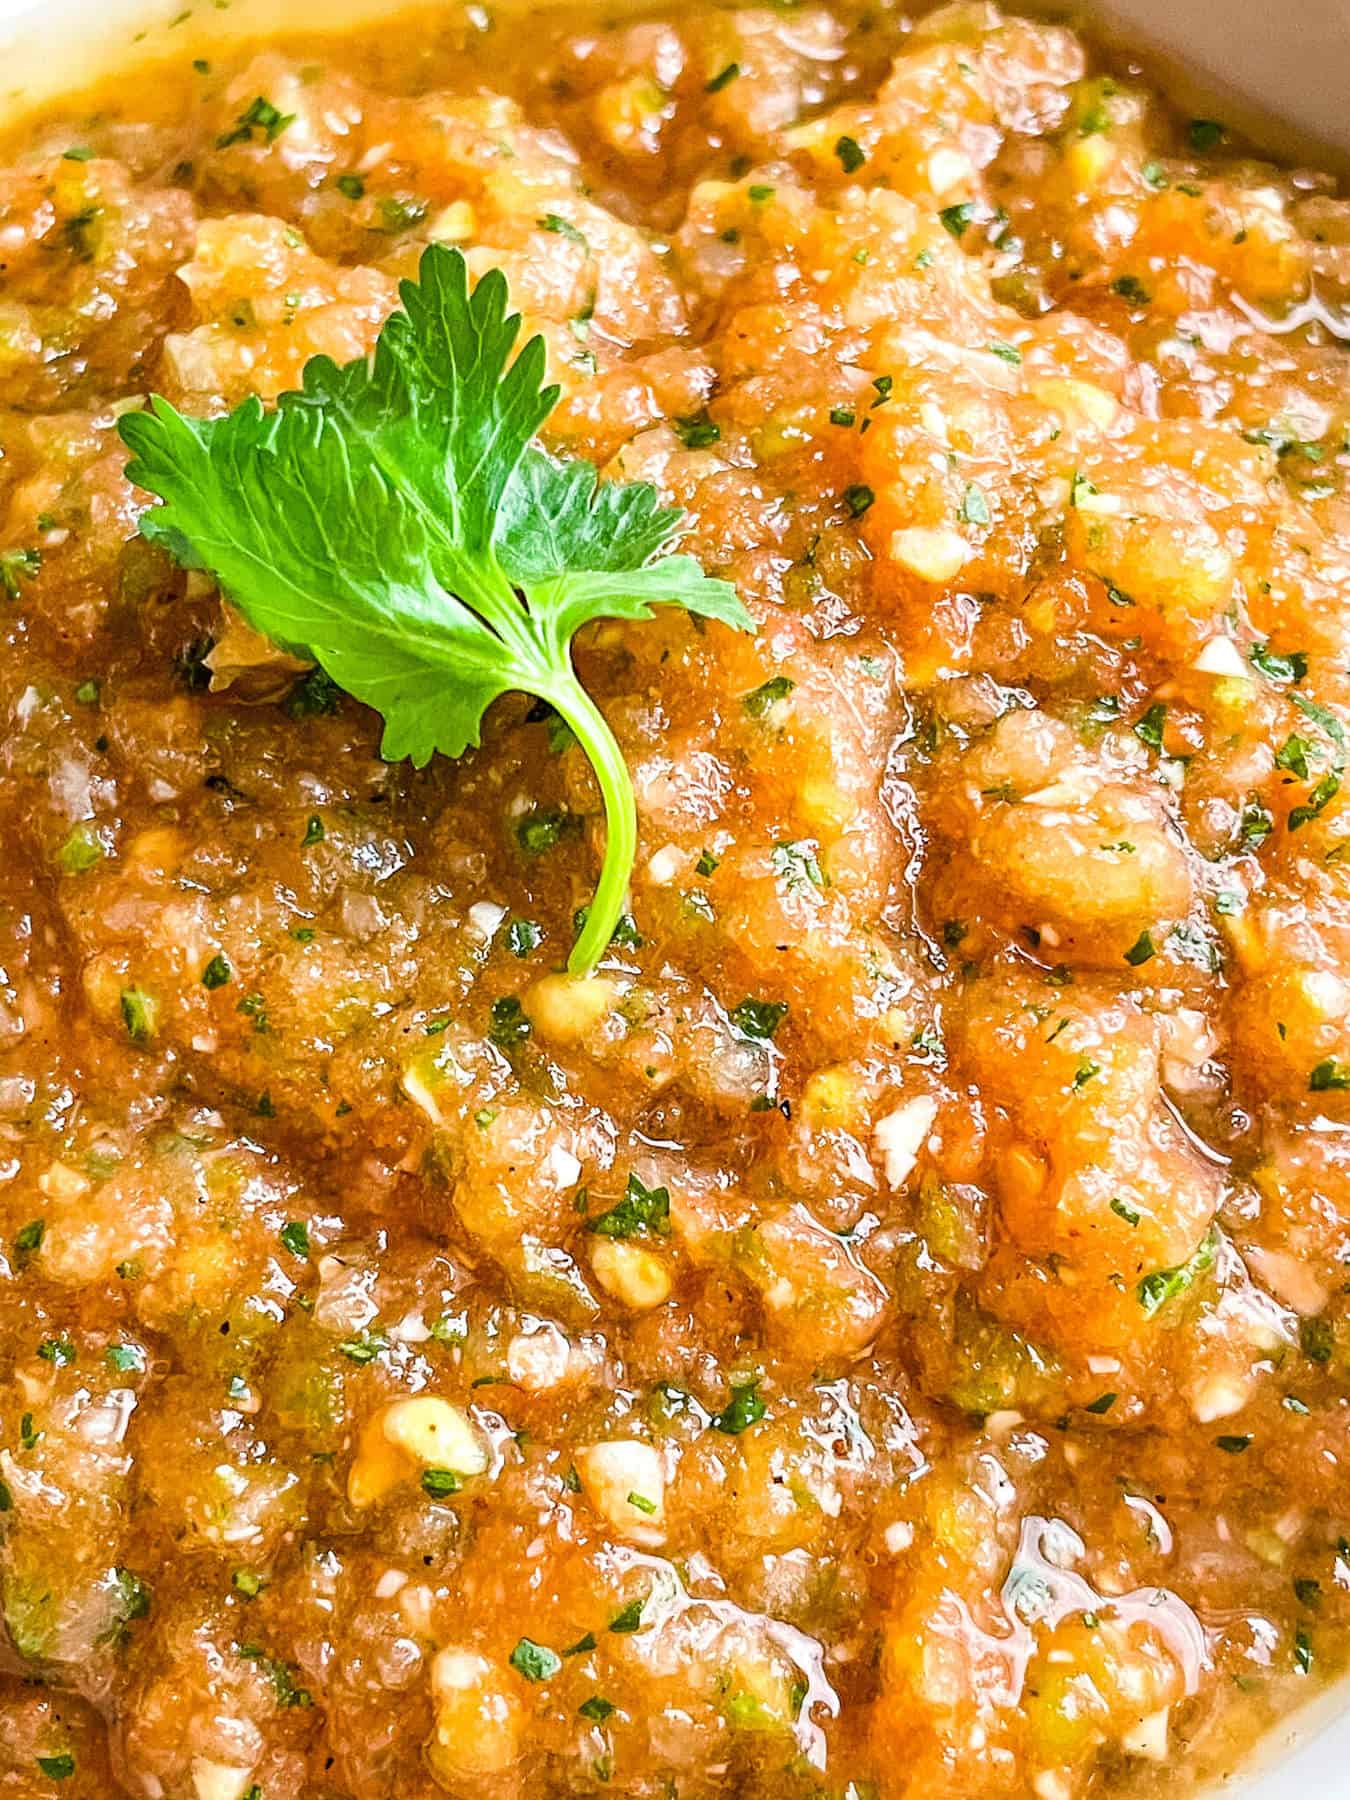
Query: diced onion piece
[[631, 1273], [478, 1717], [934, 554], [217, 1780], [626, 1484], [563, 1008], [900, 1135]]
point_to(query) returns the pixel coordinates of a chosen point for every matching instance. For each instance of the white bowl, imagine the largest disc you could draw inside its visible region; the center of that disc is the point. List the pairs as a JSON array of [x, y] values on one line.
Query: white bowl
[[1284, 79]]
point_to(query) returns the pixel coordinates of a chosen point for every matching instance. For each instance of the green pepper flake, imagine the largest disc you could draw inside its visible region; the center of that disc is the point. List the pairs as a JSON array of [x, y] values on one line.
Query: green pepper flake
[[87, 693], [6, 1498], [294, 1237], [706, 864], [744, 1409], [246, 1582], [140, 1014], [722, 78], [1149, 728], [507, 1025], [696, 430], [842, 415], [974, 506], [351, 186], [768, 694], [857, 498], [536, 1662], [1086, 1071], [1317, 1339], [17, 566], [1123, 1210], [759, 1018], [851, 154], [641, 1503], [216, 973], [539, 831], [1329, 1076], [77, 153], [81, 850], [364, 1349], [314, 832], [28, 1238], [1008, 353]]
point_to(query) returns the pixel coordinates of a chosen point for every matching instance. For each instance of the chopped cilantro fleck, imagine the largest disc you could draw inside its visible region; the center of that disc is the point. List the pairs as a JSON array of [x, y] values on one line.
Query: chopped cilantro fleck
[[759, 1018], [294, 1236], [851, 154], [744, 1409], [216, 973], [642, 1211]]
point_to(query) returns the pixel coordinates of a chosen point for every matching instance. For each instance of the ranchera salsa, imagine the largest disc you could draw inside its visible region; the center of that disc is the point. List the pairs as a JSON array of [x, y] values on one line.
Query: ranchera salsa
[[883, 1332]]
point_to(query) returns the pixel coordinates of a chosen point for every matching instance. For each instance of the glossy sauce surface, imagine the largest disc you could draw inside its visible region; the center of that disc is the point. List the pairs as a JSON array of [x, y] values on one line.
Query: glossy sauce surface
[[886, 1334]]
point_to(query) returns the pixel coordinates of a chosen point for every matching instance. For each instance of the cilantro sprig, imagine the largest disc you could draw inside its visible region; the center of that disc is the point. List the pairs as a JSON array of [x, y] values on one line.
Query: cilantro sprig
[[395, 521]]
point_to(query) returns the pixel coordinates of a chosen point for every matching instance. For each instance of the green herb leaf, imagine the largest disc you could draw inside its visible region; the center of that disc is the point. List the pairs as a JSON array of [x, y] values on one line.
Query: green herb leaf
[[1141, 950], [643, 1211], [759, 1018], [216, 973], [1330, 784], [1162, 1285], [536, 1662], [395, 522], [851, 154], [1277, 667], [744, 1409], [294, 1237]]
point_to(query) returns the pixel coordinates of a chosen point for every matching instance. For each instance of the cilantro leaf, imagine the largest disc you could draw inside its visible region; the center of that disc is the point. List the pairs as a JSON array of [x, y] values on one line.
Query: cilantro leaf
[[394, 521]]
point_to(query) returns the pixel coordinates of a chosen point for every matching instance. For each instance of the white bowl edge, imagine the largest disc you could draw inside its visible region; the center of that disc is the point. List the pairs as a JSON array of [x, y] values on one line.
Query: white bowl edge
[[1287, 80]]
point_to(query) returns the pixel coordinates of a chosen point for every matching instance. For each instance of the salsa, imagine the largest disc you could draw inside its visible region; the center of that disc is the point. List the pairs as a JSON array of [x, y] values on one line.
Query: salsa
[[885, 1330]]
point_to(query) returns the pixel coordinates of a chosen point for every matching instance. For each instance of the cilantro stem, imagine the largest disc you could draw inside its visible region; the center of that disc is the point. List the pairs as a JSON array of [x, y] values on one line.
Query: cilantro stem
[[593, 734]]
